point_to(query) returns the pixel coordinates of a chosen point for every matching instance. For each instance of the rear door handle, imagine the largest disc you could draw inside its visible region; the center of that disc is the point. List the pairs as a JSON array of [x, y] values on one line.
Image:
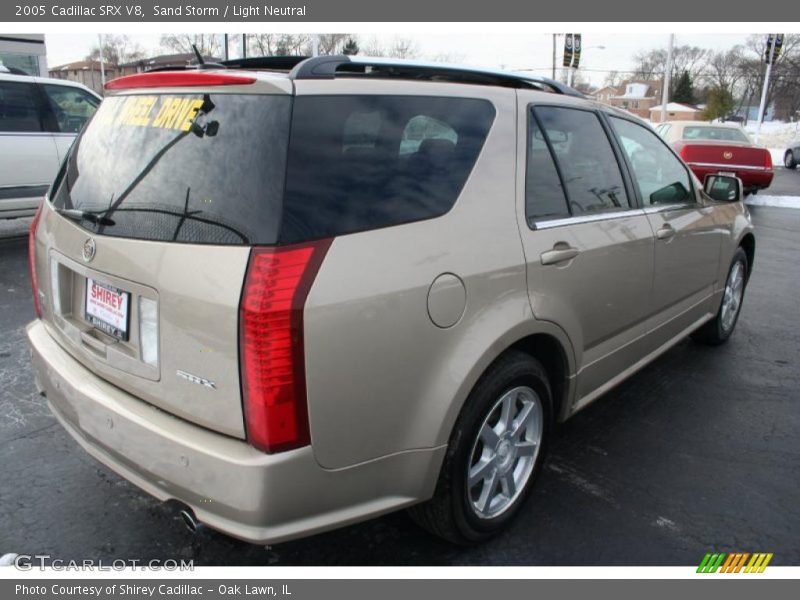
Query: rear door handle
[[558, 255], [665, 232]]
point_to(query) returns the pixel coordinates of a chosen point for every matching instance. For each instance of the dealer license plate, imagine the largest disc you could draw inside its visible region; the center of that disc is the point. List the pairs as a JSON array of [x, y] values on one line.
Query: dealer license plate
[[107, 308]]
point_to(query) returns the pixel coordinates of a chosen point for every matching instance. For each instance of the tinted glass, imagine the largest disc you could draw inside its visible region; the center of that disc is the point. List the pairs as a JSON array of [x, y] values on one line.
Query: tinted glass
[[720, 134], [587, 162], [364, 162], [661, 177], [544, 194], [186, 168], [19, 107], [72, 107]]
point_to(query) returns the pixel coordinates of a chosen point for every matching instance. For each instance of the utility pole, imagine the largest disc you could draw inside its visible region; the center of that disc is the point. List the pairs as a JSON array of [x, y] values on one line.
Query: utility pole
[[225, 41], [553, 77], [102, 62], [763, 105], [244, 45], [315, 44], [667, 77]]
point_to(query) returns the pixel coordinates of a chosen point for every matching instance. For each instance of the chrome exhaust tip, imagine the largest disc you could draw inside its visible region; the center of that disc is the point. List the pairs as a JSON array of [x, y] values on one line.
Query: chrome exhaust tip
[[190, 521]]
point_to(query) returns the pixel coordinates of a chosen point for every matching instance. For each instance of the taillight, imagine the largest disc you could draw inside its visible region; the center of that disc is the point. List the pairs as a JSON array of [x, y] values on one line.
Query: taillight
[[767, 159], [271, 344], [176, 79], [683, 150], [37, 304]]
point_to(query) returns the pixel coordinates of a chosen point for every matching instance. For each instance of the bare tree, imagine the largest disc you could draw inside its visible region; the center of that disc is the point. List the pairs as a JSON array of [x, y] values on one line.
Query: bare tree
[[398, 47], [783, 89], [208, 44], [724, 68], [332, 43], [117, 49], [278, 44], [613, 79], [653, 63]]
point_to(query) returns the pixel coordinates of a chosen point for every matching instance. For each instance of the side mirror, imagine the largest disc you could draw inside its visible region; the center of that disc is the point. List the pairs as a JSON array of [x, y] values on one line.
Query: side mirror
[[723, 188]]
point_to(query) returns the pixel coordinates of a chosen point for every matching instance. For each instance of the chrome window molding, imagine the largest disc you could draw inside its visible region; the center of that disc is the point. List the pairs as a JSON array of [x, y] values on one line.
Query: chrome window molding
[[657, 208], [578, 219], [728, 167]]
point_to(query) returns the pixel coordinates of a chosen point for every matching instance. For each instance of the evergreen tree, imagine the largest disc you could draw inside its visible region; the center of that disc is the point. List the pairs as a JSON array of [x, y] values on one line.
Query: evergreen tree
[[350, 47], [683, 91]]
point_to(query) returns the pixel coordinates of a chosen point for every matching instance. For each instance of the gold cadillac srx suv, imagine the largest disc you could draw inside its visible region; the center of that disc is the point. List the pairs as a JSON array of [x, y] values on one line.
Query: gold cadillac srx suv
[[295, 299]]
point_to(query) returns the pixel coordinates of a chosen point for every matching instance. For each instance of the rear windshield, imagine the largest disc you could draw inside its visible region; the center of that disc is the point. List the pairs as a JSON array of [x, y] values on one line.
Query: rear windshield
[[255, 169], [204, 168], [722, 134]]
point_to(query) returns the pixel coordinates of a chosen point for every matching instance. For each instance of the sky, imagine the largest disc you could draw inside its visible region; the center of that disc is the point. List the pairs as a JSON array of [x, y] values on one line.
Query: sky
[[512, 51]]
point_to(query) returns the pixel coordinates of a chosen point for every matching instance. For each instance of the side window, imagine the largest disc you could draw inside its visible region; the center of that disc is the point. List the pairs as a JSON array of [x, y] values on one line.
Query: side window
[[358, 163], [544, 194], [661, 177], [421, 128], [19, 108], [71, 106], [585, 159]]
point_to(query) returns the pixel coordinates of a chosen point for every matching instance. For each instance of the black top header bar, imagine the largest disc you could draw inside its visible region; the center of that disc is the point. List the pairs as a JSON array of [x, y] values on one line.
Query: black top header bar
[[243, 11]]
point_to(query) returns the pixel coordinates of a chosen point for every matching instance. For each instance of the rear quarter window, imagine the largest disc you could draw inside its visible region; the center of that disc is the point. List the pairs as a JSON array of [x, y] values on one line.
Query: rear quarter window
[[19, 108], [364, 162]]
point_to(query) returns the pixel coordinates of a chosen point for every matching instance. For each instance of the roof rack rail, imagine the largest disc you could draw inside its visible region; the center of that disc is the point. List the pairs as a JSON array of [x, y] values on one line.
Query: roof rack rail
[[328, 67]]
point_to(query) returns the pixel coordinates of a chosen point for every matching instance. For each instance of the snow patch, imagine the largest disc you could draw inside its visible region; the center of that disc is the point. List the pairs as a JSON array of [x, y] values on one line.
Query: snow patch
[[774, 201], [777, 156], [775, 134]]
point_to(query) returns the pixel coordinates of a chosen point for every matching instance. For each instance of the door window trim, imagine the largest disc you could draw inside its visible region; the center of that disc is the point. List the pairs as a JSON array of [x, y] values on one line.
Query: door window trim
[[631, 190]]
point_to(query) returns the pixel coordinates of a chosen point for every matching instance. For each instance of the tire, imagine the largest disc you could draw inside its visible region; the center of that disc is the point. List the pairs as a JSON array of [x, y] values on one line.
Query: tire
[[789, 160], [519, 382], [720, 328]]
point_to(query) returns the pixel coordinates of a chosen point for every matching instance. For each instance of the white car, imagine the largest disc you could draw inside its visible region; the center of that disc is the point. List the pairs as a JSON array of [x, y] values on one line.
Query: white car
[[39, 119]]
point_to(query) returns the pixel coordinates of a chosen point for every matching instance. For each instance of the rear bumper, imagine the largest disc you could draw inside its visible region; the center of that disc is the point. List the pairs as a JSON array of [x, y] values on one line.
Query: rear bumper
[[230, 486], [752, 177]]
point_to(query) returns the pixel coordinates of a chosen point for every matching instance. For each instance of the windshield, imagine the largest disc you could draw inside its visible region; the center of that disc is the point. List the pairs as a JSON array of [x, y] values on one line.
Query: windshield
[[720, 134], [199, 168]]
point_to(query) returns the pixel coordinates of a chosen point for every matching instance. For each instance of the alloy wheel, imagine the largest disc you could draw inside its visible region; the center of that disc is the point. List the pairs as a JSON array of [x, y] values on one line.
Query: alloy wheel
[[504, 452], [732, 299]]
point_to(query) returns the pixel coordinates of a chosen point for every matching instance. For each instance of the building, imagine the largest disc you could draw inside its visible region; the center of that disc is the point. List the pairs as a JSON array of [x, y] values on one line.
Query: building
[[161, 61], [24, 52], [636, 97], [87, 72], [676, 112]]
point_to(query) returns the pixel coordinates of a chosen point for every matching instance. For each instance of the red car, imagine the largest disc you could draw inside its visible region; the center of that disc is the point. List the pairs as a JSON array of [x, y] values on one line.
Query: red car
[[720, 147]]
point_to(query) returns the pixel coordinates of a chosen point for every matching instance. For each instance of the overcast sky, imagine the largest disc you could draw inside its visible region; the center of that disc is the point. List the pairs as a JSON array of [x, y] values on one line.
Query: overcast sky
[[504, 50]]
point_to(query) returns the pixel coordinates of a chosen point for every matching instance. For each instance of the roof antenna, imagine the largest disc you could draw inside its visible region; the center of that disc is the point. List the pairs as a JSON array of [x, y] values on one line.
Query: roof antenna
[[198, 55]]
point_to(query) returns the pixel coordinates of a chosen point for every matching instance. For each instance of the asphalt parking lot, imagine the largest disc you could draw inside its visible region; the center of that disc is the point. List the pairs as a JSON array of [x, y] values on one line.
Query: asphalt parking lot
[[785, 183], [698, 452]]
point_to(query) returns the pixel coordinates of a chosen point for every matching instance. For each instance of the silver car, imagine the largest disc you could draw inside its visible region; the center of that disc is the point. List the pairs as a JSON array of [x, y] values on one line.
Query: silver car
[[39, 120], [292, 301]]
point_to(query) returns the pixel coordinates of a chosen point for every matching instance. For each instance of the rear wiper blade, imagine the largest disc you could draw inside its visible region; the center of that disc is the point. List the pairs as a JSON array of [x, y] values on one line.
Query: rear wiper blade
[[84, 215]]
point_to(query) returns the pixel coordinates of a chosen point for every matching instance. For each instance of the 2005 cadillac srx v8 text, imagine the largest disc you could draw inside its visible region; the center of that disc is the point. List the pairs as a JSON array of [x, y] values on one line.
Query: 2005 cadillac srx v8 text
[[295, 299]]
